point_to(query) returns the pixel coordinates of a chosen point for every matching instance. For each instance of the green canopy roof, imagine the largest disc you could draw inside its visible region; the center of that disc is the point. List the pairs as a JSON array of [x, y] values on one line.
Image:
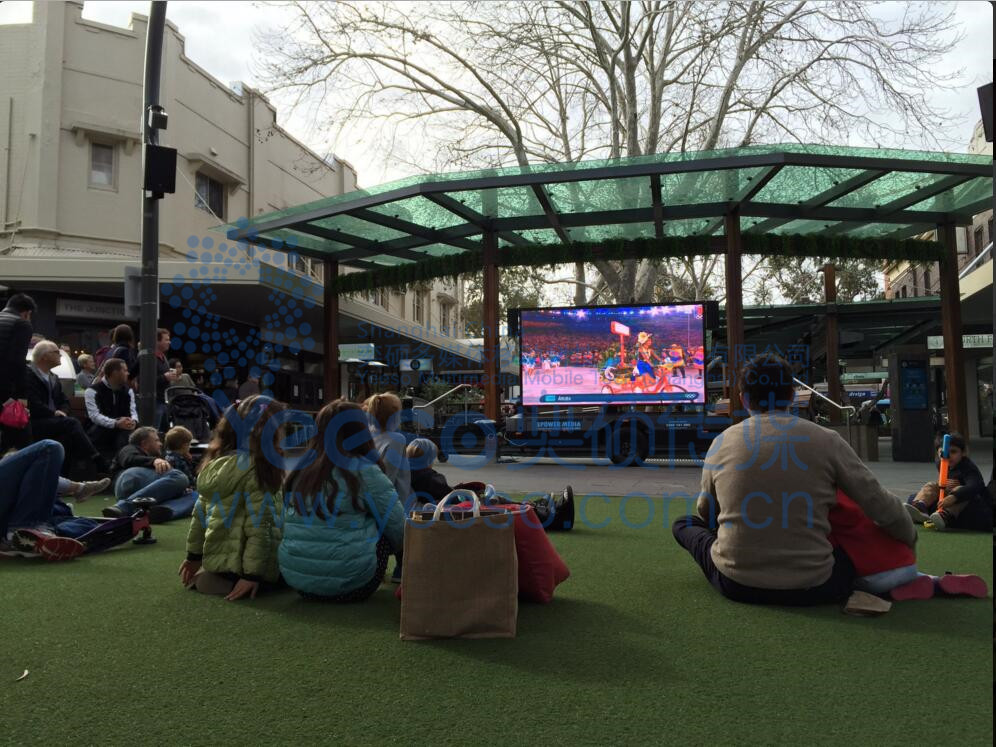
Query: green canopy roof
[[798, 190]]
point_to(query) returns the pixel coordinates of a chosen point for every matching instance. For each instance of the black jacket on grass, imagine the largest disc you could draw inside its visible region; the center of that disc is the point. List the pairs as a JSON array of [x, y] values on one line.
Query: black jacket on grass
[[131, 456]]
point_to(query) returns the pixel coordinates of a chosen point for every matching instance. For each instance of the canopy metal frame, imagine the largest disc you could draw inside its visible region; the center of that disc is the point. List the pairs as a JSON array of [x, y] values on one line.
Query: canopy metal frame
[[476, 231]]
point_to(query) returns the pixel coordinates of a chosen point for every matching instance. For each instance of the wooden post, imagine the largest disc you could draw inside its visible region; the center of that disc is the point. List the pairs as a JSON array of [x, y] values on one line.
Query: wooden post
[[833, 340], [734, 309], [954, 353], [330, 314], [490, 355]]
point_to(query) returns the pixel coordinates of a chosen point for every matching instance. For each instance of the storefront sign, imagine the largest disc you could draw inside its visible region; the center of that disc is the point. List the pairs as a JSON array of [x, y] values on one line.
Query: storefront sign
[[363, 351], [936, 342], [89, 309]]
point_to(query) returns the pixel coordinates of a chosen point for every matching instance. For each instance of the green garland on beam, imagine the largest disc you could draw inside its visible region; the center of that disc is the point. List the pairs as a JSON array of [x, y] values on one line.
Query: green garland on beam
[[537, 255]]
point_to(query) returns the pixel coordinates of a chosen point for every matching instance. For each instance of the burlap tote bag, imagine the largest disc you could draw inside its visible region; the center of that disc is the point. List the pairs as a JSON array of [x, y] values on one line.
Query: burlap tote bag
[[460, 574]]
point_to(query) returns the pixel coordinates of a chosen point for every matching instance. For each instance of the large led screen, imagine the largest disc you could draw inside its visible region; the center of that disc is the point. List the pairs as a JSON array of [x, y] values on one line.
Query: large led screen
[[613, 355]]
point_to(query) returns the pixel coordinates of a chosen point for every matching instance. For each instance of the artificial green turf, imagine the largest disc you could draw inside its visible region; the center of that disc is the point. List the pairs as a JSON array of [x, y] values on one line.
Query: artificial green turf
[[636, 647]]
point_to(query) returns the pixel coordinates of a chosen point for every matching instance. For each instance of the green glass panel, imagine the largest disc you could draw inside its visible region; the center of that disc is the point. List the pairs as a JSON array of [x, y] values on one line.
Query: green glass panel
[[600, 195], [791, 186], [881, 192], [510, 202], [438, 250], [420, 211], [689, 227], [361, 228], [795, 185], [875, 230], [721, 185], [958, 198], [802, 226], [613, 231]]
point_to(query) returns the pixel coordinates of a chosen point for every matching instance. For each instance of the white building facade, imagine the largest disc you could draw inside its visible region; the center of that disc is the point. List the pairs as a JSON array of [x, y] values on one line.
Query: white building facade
[[70, 196]]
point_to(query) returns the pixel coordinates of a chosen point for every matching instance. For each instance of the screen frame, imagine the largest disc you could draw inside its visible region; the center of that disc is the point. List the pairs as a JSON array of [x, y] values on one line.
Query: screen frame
[[641, 403]]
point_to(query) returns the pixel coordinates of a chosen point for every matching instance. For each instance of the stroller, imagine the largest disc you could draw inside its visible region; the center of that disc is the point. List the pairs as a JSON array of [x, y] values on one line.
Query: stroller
[[192, 409]]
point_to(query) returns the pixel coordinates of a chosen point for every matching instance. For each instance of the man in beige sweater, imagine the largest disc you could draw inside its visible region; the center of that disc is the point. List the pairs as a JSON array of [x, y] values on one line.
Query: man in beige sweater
[[768, 484]]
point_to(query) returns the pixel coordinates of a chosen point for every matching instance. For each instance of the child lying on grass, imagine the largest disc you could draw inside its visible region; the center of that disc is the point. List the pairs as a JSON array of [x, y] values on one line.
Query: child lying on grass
[[886, 566]]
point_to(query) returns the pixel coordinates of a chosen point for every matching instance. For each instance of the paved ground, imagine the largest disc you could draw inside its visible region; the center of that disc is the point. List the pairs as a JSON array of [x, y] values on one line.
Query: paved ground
[[600, 476]]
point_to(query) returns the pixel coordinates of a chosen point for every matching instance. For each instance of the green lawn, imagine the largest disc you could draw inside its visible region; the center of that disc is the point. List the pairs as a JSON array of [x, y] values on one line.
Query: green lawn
[[635, 648]]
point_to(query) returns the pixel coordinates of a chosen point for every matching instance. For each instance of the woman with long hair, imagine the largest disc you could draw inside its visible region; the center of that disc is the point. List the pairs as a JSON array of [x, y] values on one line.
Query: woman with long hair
[[342, 517], [235, 530]]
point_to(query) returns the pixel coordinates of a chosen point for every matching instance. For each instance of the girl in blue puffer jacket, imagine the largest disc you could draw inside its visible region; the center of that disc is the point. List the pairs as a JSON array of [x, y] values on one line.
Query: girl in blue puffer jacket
[[342, 517]]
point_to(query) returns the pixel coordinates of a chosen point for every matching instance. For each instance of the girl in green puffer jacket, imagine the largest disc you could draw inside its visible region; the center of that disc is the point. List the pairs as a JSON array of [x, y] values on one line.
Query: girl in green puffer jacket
[[342, 517], [235, 530]]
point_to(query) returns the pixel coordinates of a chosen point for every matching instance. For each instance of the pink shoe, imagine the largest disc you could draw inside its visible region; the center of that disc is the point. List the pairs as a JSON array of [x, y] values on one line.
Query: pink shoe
[[922, 587], [963, 585]]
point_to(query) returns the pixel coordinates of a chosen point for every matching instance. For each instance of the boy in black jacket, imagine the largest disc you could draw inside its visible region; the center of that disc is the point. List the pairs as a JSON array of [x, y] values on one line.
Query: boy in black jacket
[[966, 503]]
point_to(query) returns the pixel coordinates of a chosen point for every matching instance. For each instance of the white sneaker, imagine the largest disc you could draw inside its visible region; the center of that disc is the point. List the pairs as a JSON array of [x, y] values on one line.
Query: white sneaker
[[936, 521], [918, 516], [92, 487]]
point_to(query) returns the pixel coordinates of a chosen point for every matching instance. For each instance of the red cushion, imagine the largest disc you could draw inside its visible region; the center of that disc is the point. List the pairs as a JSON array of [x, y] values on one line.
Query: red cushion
[[541, 568]]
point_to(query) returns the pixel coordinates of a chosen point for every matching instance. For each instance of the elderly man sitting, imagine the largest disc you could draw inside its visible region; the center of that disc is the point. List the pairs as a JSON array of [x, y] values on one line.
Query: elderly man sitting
[[48, 407], [141, 472]]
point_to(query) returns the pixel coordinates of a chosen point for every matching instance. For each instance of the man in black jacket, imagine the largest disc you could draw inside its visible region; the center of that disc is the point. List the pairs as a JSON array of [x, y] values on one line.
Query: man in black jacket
[[48, 407], [15, 336], [139, 471], [110, 405]]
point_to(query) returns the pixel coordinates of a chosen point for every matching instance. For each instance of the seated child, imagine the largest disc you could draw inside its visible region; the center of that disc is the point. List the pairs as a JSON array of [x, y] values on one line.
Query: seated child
[[554, 510], [177, 443], [428, 485], [235, 530], [342, 517], [886, 566], [966, 503]]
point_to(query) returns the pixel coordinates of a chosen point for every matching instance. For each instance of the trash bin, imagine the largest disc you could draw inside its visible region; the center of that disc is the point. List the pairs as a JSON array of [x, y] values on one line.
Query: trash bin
[[862, 438], [867, 442]]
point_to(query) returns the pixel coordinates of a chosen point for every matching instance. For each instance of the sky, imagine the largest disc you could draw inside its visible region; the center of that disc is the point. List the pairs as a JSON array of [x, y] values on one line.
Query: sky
[[219, 38], [228, 56]]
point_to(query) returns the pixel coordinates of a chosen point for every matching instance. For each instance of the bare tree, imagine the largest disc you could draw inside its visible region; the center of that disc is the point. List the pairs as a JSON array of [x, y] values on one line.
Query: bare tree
[[480, 84]]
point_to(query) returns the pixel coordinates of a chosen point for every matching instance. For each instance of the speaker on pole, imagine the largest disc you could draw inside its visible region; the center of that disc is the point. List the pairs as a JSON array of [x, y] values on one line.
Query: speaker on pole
[[986, 105]]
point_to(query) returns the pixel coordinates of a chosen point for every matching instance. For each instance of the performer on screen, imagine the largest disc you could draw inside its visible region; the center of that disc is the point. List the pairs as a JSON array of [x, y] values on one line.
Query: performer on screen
[[645, 356], [676, 357]]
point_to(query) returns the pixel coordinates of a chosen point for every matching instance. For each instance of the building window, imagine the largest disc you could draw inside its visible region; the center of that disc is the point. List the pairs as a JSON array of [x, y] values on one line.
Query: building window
[[445, 314], [210, 195], [418, 307], [378, 297], [989, 231], [926, 283], [102, 166], [980, 240], [902, 292]]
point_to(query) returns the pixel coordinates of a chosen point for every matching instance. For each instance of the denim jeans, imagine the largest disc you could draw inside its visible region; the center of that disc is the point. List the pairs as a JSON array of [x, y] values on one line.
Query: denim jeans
[[168, 489], [886, 581], [29, 479]]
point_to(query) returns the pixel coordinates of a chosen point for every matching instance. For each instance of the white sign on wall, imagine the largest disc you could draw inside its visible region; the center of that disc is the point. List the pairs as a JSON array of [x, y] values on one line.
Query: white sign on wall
[[936, 342], [363, 351], [89, 309]]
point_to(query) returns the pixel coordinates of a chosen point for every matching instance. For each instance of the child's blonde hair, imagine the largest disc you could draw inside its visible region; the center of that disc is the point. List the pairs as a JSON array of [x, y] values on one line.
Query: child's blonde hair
[[421, 453], [178, 438], [382, 408]]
